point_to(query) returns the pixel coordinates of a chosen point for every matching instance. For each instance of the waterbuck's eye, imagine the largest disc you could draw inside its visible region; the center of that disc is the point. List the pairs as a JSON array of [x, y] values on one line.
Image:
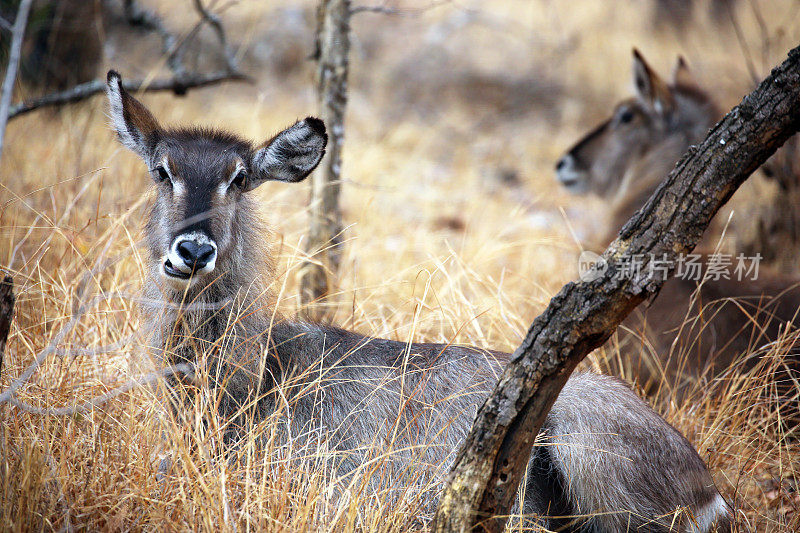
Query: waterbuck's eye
[[162, 174], [240, 179], [625, 116]]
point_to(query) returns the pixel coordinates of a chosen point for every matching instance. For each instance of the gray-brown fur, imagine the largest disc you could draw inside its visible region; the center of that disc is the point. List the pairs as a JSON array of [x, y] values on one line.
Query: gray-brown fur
[[691, 334], [358, 396]]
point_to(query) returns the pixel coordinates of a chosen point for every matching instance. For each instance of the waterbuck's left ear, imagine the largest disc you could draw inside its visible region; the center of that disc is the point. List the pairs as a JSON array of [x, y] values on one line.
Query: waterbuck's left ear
[[292, 154]]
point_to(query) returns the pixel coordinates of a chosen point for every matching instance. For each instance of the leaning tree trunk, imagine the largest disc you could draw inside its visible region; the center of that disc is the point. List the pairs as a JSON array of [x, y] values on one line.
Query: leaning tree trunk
[[582, 316], [325, 225]]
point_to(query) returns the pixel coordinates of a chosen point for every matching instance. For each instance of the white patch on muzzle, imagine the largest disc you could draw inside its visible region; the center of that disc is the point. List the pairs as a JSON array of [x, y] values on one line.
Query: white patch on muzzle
[[173, 260], [574, 179]]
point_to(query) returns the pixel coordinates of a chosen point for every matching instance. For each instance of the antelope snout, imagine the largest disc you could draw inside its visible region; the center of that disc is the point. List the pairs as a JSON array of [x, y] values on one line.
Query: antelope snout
[[190, 255], [196, 255], [570, 175]]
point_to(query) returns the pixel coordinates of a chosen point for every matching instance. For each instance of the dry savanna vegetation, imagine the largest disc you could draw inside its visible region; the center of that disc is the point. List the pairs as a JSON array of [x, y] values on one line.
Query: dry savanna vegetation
[[456, 231]]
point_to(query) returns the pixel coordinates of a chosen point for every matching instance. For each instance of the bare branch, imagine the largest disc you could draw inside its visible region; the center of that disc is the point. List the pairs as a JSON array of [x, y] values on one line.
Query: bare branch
[[6, 25], [383, 10], [178, 85], [393, 11], [139, 16], [215, 22], [182, 79], [18, 32]]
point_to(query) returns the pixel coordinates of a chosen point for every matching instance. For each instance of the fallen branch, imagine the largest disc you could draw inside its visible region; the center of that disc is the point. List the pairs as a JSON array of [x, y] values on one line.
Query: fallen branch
[[582, 316]]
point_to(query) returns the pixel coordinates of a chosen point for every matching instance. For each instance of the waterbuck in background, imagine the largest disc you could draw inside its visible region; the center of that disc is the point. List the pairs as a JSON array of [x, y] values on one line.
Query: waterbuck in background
[[688, 334], [626, 158], [608, 455]]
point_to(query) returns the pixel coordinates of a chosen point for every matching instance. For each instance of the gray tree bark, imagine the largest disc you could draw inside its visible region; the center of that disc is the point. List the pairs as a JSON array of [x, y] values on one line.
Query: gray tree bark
[[17, 33], [581, 317], [325, 224]]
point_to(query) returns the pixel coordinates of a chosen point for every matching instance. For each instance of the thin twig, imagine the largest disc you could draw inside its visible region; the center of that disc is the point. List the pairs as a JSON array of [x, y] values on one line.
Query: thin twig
[[393, 11], [215, 22], [383, 10], [6, 25], [745, 48], [139, 16], [18, 32]]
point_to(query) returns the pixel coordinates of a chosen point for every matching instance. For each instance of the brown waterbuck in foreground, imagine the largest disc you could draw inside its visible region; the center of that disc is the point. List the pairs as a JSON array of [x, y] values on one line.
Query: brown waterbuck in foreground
[[606, 455], [688, 334]]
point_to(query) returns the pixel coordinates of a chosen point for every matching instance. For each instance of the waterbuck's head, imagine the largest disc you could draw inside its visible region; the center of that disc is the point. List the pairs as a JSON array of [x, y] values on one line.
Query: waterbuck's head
[[200, 220], [676, 114]]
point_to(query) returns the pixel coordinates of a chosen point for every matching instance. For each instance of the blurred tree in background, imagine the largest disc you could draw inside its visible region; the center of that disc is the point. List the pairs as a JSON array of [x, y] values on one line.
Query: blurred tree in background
[[63, 44]]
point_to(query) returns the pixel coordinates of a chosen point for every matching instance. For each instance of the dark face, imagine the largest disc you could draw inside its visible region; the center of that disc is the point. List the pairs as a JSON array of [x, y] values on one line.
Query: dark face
[[202, 179]]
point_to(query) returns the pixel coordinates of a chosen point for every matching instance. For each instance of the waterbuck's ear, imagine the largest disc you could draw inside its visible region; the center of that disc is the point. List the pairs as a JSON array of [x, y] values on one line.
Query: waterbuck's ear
[[682, 76], [651, 89], [292, 154], [138, 130]]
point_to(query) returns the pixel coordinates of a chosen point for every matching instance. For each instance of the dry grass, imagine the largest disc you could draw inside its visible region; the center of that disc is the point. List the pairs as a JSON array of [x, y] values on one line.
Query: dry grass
[[436, 250]]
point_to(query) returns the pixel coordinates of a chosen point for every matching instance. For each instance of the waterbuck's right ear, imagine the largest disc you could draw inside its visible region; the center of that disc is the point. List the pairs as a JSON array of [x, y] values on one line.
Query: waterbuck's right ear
[[292, 154], [137, 128], [682, 76]]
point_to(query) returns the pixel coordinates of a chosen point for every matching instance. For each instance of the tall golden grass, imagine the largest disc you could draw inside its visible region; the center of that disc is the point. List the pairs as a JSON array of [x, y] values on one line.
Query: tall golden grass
[[435, 250]]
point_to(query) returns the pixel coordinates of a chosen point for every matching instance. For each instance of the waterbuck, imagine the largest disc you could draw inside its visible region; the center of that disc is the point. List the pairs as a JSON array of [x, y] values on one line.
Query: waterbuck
[[608, 455], [688, 334]]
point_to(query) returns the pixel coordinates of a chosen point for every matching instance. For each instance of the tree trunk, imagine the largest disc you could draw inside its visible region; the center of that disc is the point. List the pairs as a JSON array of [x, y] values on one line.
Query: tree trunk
[[17, 34], [581, 317], [6, 314], [325, 225]]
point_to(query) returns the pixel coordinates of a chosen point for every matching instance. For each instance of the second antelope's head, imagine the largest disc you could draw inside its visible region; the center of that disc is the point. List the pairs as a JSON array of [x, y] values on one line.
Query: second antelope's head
[[202, 180], [661, 113]]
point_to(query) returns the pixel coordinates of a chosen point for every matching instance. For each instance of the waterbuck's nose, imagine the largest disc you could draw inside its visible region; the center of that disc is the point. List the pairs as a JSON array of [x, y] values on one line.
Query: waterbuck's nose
[[196, 255]]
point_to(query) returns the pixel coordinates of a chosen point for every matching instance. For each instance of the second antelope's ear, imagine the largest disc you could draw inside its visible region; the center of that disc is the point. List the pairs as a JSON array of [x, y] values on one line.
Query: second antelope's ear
[[681, 75], [292, 154], [138, 130], [650, 88]]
